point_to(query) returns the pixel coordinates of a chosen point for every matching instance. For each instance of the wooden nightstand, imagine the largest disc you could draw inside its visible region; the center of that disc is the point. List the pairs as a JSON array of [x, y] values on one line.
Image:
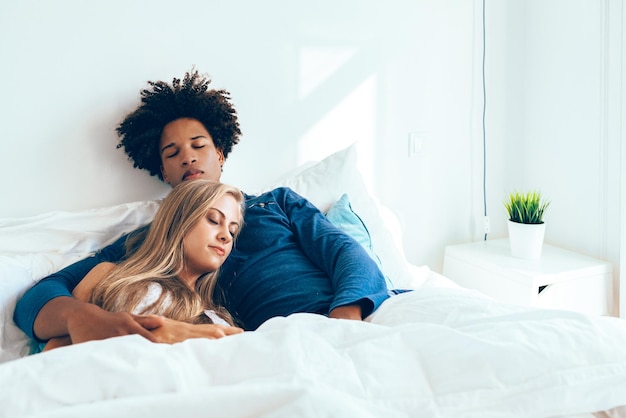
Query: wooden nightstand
[[560, 279]]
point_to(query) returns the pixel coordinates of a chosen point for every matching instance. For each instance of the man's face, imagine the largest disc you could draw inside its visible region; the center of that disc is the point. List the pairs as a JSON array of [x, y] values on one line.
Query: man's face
[[188, 153]]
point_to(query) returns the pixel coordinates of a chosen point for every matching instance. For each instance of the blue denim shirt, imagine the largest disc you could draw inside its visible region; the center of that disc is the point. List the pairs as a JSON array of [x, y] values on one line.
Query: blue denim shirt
[[288, 258]]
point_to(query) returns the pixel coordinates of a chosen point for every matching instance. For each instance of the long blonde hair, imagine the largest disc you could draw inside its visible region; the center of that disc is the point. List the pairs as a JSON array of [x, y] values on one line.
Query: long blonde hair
[[160, 259]]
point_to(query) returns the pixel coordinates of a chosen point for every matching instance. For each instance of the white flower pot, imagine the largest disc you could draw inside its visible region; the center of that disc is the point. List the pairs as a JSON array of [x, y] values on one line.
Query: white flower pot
[[526, 240]]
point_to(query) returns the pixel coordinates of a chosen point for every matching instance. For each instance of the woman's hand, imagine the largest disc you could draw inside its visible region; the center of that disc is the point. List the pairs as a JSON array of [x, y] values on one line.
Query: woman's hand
[[173, 331]]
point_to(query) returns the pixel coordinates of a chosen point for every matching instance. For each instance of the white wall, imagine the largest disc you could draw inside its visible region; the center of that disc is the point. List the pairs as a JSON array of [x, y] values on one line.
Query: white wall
[[307, 78], [556, 117], [622, 284], [310, 78]]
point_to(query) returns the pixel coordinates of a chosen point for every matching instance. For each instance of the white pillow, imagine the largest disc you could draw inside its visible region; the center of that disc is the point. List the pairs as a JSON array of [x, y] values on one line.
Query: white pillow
[[14, 280], [34, 247], [72, 233]]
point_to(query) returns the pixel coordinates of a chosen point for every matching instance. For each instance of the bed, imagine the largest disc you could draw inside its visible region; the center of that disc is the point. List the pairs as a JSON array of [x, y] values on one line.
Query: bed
[[437, 351]]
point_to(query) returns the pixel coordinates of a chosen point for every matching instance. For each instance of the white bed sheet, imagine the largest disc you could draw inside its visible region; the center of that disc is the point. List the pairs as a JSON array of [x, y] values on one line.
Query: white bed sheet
[[434, 352]]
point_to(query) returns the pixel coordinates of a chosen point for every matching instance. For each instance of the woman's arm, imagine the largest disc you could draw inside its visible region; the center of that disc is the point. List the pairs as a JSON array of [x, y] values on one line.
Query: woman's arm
[[83, 290], [57, 342], [174, 331]]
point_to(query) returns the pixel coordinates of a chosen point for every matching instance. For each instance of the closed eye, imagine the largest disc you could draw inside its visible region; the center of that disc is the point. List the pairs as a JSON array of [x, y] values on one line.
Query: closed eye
[[216, 217]]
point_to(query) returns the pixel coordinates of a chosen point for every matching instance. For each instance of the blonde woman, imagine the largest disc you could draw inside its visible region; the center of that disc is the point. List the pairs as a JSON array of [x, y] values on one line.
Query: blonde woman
[[173, 271]]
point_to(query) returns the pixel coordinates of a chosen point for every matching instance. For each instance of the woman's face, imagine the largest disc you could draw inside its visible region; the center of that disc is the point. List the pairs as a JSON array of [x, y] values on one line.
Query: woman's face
[[210, 241], [188, 153]]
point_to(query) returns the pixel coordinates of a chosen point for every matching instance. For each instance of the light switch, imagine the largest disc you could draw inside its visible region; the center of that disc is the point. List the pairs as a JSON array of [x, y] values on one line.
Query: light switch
[[416, 143]]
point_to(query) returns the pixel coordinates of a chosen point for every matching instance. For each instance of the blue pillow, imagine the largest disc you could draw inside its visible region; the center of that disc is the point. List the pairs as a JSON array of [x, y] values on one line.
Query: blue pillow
[[343, 217]]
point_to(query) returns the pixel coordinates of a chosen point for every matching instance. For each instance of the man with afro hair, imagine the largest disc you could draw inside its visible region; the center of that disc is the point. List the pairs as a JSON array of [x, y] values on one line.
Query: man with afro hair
[[289, 258], [191, 98]]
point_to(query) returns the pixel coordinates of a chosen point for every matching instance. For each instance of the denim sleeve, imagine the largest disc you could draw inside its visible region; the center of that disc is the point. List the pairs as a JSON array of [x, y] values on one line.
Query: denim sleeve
[[354, 275], [61, 283]]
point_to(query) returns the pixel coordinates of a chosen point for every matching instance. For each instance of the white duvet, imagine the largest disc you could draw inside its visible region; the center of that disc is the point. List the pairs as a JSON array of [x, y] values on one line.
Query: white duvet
[[434, 352]]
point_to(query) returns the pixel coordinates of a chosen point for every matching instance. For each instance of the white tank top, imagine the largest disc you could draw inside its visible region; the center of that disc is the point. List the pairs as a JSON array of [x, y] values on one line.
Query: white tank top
[[155, 290]]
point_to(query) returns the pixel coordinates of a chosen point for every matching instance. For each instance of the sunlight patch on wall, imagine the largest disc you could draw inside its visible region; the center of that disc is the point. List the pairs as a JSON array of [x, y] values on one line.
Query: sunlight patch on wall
[[317, 64], [351, 120]]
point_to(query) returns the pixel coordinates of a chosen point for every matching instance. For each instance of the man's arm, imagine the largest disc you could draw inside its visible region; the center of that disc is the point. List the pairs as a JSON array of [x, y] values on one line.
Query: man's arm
[[48, 310], [76, 321], [358, 283], [84, 323], [42, 324]]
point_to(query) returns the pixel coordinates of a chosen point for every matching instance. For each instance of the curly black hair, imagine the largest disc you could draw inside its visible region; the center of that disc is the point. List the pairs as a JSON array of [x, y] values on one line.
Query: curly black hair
[[140, 131]]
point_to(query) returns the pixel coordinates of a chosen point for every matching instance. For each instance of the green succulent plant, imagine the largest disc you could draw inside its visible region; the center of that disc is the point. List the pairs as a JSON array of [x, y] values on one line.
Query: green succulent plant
[[526, 208]]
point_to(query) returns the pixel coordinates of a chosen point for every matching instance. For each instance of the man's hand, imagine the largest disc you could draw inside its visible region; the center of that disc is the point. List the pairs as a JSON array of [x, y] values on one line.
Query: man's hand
[[108, 326], [100, 324], [346, 312], [81, 321], [173, 331]]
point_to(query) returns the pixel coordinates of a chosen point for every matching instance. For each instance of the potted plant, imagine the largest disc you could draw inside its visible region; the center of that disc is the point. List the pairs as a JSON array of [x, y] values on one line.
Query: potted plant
[[526, 225]]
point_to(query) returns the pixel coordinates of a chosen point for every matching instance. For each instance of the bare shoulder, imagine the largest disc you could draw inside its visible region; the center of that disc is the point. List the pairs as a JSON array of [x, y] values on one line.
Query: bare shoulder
[[83, 290]]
